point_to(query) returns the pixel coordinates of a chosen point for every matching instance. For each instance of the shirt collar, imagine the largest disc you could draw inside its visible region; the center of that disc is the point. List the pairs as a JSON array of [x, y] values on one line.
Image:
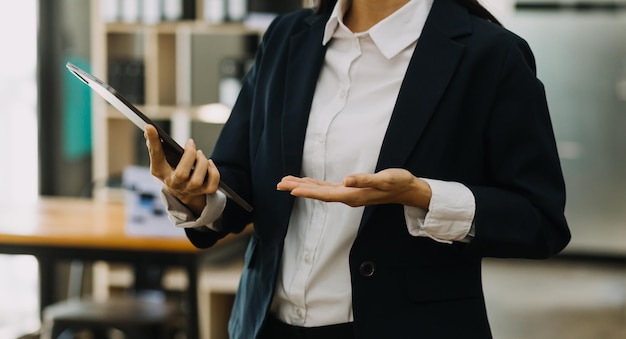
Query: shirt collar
[[392, 34]]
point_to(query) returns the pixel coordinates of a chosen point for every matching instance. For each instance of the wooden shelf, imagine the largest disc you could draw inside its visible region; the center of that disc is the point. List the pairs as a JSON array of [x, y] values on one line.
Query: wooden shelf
[[196, 26], [210, 113], [179, 63]]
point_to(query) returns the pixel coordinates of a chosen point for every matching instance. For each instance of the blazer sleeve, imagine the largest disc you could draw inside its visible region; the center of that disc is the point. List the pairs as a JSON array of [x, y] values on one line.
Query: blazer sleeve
[[520, 213], [231, 155]]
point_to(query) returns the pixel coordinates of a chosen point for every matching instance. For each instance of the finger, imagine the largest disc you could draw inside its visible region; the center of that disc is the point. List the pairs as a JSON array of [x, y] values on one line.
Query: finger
[[186, 163], [346, 195], [314, 192], [360, 180], [213, 177], [291, 178], [287, 184], [199, 174], [320, 182], [290, 182]]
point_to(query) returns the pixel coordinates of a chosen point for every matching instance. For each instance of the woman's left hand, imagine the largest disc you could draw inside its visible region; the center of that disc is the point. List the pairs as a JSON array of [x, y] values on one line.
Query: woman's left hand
[[389, 186]]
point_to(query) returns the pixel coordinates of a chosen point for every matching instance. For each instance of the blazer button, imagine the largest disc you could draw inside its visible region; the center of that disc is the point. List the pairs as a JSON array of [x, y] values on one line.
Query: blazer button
[[367, 269]]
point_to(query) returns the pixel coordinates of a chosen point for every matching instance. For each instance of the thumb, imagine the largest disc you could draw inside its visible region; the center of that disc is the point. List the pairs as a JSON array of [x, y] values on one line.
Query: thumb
[[359, 180], [155, 149]]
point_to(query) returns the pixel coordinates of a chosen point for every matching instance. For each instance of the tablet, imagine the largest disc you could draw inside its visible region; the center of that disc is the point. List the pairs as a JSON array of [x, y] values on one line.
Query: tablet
[[173, 151]]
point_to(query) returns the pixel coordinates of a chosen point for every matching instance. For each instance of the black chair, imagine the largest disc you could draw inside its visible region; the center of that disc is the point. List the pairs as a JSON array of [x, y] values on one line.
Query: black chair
[[137, 316]]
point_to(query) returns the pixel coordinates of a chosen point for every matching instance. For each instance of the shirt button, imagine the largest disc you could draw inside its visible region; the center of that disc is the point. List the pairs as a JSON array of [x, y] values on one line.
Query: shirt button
[[307, 258], [343, 93], [299, 313]]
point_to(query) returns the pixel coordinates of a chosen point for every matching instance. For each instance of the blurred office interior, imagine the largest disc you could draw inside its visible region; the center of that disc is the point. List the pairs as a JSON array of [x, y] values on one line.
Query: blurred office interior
[[580, 49]]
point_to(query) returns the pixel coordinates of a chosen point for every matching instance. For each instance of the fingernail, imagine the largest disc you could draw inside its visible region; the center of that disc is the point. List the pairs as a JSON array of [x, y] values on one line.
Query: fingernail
[[349, 181], [190, 143]]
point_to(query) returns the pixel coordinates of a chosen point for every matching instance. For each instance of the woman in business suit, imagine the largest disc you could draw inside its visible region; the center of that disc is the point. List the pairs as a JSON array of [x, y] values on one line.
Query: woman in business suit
[[386, 146]]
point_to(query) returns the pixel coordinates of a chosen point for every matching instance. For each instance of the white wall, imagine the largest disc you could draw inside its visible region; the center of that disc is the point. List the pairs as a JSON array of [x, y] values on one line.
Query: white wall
[[18, 100]]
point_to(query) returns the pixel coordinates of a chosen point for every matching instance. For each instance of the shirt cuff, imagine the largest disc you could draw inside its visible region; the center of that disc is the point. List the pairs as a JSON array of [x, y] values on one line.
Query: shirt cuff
[[182, 217], [450, 214]]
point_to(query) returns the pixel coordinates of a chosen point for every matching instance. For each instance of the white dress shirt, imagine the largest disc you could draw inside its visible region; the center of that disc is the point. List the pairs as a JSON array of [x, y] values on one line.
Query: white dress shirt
[[354, 99]]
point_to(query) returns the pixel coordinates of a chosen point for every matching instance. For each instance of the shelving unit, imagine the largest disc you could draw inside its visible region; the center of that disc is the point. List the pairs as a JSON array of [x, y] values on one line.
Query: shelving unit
[[180, 65]]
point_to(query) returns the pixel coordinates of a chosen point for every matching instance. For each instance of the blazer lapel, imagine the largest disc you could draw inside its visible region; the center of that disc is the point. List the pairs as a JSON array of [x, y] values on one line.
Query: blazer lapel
[[433, 63], [432, 66], [306, 56]]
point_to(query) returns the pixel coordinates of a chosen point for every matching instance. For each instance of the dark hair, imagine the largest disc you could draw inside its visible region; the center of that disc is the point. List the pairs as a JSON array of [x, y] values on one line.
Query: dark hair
[[474, 7]]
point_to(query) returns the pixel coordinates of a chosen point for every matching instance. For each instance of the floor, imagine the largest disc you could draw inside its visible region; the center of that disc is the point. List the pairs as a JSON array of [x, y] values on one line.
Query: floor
[[556, 299], [550, 299]]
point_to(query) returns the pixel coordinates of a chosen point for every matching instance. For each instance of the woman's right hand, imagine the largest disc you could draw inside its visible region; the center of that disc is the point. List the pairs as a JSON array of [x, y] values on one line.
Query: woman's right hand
[[187, 185]]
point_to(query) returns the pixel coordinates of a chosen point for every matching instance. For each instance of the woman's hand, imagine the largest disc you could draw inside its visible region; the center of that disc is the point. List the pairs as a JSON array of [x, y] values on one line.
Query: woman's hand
[[188, 181], [390, 186]]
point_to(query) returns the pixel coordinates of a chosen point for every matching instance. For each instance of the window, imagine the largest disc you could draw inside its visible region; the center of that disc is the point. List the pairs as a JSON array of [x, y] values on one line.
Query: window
[[18, 100], [19, 312]]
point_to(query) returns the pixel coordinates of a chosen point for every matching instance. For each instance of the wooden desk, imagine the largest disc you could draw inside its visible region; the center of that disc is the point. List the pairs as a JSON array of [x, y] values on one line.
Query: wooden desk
[[55, 229]]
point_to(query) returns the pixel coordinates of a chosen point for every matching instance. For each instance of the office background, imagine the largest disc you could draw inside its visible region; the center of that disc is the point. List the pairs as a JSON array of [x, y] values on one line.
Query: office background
[[581, 56]]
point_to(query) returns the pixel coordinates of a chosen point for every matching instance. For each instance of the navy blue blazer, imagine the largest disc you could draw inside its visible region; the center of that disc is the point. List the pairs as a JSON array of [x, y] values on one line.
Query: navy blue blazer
[[470, 110]]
